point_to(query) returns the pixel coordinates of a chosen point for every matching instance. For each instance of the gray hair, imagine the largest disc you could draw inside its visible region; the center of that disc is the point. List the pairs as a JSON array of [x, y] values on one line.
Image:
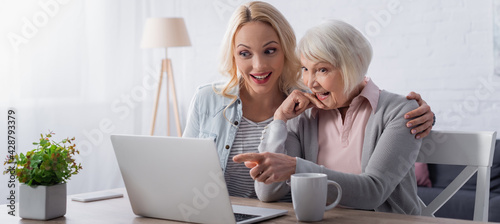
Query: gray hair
[[340, 44]]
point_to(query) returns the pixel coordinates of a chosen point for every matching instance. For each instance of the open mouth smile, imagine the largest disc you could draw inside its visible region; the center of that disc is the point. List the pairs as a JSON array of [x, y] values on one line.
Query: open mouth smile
[[322, 96], [261, 78]]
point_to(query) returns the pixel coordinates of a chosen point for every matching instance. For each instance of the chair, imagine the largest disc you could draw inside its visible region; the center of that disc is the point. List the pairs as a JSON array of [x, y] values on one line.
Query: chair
[[472, 149]]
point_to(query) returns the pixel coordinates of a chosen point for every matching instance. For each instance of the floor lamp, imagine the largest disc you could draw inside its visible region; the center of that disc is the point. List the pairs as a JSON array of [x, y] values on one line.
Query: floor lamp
[[165, 33]]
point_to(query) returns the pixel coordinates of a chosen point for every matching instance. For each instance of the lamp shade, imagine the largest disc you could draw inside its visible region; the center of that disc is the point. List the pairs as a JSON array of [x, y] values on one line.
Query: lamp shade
[[165, 32]]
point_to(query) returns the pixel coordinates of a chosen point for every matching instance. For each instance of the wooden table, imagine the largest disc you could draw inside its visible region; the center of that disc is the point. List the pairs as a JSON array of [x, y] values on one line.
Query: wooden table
[[118, 210]]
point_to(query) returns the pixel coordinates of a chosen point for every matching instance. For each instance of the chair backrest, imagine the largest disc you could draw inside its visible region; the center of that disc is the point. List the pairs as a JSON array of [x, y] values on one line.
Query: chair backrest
[[472, 149]]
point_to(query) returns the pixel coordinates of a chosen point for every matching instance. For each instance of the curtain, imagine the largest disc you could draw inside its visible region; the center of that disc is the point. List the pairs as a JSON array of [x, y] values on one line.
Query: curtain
[[75, 68]]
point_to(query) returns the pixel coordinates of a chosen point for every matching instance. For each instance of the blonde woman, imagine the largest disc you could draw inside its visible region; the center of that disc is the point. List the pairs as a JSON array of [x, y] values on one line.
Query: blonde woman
[[258, 56]]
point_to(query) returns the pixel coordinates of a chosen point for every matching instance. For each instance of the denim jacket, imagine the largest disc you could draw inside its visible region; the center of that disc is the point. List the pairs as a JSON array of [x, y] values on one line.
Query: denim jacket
[[206, 119]]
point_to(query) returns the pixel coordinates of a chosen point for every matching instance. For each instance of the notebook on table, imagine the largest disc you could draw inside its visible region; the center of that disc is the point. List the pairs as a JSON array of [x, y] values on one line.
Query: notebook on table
[[179, 179]]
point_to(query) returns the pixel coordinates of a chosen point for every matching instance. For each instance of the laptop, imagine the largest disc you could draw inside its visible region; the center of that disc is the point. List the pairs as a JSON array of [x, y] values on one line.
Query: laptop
[[179, 179]]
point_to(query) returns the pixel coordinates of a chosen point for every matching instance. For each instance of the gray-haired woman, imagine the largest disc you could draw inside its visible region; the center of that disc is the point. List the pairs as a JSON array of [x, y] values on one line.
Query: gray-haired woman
[[354, 132]]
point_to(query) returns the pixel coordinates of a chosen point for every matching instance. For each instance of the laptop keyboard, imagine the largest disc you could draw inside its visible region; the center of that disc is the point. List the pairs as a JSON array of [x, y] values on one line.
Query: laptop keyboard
[[242, 217]]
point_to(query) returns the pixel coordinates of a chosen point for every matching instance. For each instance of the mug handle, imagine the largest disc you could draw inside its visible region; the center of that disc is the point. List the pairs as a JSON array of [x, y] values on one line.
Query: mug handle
[[339, 195]]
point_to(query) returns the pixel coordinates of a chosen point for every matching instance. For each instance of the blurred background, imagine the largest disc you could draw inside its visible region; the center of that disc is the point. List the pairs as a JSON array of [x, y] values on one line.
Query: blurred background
[[76, 67]]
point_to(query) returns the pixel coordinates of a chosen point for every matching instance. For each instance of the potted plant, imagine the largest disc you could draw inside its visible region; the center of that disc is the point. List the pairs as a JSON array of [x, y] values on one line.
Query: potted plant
[[43, 173]]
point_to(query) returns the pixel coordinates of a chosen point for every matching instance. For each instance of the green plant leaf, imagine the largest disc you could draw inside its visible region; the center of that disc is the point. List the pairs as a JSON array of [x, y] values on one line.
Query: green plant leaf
[[50, 163]]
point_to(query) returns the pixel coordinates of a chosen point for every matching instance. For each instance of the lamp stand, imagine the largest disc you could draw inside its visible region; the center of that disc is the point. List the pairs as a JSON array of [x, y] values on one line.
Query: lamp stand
[[166, 66]]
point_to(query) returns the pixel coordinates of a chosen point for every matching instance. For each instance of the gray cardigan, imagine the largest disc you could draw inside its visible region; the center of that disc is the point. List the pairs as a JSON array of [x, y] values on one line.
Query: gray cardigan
[[387, 182]]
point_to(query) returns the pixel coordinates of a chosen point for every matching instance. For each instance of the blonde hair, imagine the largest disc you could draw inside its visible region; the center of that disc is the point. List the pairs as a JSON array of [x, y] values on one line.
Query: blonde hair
[[257, 11], [340, 44]]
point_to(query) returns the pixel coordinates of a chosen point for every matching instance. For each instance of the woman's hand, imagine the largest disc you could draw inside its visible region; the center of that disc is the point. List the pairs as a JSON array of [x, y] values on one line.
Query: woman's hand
[[296, 103], [423, 117], [268, 167]]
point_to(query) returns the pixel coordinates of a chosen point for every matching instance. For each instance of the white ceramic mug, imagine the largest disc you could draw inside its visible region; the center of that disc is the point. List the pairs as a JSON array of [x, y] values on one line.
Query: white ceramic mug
[[309, 191]]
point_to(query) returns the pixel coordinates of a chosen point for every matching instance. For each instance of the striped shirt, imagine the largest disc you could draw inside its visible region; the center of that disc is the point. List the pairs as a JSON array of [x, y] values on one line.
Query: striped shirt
[[238, 179]]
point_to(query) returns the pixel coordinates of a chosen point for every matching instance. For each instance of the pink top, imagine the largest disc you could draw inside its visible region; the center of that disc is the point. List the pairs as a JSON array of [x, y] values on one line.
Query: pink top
[[340, 143]]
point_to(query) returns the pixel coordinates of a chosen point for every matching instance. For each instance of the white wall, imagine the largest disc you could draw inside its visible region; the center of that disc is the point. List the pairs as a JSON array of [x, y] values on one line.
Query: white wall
[[440, 49]]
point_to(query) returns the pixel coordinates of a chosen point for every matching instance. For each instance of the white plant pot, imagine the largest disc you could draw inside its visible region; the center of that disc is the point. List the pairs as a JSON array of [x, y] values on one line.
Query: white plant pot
[[42, 202]]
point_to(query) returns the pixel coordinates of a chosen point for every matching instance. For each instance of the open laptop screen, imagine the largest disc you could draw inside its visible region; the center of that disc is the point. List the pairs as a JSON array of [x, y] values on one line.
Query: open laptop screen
[[175, 178]]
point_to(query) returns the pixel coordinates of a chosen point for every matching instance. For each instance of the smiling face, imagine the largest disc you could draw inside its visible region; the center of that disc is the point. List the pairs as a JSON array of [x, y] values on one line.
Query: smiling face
[[325, 81], [259, 57]]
